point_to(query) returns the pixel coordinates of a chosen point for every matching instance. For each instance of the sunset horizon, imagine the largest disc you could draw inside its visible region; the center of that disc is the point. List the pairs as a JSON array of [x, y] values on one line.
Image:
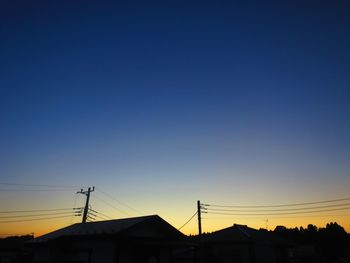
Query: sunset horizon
[[156, 105]]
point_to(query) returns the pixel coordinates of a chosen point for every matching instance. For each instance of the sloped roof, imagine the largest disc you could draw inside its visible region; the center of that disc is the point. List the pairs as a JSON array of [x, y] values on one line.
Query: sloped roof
[[239, 233], [108, 227]]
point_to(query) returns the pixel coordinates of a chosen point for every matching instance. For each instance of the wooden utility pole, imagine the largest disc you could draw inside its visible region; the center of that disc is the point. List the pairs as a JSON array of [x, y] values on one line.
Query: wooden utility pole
[[86, 209], [199, 218]]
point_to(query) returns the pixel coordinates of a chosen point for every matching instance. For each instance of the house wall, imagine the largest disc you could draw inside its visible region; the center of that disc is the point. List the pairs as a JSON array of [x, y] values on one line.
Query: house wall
[[264, 254], [124, 254], [236, 253], [165, 256], [157, 253], [101, 251], [186, 254], [41, 254], [224, 253], [84, 251]]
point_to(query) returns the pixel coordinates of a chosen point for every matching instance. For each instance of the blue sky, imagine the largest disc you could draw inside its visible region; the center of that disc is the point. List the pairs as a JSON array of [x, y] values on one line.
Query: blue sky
[[149, 98]]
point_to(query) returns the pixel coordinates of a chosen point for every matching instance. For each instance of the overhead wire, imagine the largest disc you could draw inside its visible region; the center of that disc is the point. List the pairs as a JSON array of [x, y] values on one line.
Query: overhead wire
[[277, 210], [41, 185], [91, 217], [103, 217], [277, 217], [282, 205], [287, 213], [33, 219], [118, 201], [99, 214], [35, 190], [309, 216], [39, 210], [18, 216], [188, 220], [36, 215], [109, 204], [74, 205]]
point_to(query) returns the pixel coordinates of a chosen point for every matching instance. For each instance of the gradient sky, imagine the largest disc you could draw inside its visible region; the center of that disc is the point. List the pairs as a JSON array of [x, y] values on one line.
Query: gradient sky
[[162, 103]]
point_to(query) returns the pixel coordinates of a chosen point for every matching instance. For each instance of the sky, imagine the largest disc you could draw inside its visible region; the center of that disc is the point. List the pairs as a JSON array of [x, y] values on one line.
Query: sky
[[159, 104]]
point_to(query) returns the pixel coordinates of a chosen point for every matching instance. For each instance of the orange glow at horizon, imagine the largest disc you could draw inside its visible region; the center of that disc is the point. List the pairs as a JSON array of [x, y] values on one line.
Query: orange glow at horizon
[[208, 225]]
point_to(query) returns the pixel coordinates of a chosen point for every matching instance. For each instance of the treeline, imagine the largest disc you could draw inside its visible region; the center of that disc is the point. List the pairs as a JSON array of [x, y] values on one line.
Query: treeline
[[331, 241]]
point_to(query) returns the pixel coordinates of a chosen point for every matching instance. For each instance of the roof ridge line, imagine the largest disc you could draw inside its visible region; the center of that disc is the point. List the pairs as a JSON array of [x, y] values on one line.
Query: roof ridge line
[[243, 231]]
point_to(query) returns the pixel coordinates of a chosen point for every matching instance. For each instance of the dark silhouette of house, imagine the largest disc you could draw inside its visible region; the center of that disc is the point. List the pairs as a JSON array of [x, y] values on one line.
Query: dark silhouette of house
[[242, 244], [13, 249], [139, 239]]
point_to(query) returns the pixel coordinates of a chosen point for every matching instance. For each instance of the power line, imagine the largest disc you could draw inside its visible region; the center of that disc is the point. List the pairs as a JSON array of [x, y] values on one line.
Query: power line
[[278, 217], [74, 205], [107, 203], [120, 202], [102, 218], [289, 213], [91, 217], [282, 205], [99, 213], [305, 216], [34, 219], [106, 216], [35, 215], [41, 185], [40, 210], [188, 220], [35, 190], [277, 210]]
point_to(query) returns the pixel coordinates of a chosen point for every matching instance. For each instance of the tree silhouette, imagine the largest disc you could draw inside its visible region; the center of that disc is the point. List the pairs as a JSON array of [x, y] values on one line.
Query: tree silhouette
[[331, 242]]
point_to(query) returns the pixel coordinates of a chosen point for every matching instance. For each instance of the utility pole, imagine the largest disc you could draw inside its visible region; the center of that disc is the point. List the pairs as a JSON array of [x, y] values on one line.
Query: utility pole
[[199, 218], [86, 209]]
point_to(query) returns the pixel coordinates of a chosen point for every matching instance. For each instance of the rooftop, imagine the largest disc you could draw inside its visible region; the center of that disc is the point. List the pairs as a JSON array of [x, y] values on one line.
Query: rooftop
[[155, 226]]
